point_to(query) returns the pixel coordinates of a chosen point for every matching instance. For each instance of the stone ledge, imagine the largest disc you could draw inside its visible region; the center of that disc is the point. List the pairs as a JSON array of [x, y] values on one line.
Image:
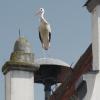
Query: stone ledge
[[93, 72], [19, 66]]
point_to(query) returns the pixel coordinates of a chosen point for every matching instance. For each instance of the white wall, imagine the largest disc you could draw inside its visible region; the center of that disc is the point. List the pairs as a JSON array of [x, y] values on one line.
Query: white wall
[[93, 79], [19, 85], [93, 86], [96, 37]]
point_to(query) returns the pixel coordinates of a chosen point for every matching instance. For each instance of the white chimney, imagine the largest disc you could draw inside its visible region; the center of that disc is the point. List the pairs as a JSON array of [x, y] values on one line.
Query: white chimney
[[19, 72], [93, 78]]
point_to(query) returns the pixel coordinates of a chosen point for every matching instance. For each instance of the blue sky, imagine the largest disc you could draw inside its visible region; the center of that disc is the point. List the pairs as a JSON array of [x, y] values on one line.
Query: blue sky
[[70, 23]]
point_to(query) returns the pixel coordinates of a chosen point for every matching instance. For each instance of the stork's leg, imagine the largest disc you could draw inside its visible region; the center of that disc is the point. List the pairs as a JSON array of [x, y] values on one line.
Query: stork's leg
[[44, 53]]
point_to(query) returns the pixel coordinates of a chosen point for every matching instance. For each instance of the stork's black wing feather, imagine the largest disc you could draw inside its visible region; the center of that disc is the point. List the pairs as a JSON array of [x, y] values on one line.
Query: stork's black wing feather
[[49, 36], [40, 37]]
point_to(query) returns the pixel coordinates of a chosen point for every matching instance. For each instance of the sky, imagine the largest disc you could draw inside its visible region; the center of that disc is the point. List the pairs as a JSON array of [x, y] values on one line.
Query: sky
[[71, 30]]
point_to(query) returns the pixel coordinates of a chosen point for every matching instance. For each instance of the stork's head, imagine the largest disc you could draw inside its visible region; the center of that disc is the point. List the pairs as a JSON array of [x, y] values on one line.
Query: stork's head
[[40, 12]]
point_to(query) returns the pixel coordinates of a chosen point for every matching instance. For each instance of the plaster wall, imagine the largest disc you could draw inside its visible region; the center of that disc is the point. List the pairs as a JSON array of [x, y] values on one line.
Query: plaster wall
[[93, 86], [92, 78], [96, 37], [19, 85]]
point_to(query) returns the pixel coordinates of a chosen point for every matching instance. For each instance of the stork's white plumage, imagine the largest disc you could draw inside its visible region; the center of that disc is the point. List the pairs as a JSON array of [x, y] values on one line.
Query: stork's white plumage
[[44, 30]]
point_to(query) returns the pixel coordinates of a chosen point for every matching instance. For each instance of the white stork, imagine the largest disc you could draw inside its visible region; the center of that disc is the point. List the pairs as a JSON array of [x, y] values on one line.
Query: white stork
[[44, 30]]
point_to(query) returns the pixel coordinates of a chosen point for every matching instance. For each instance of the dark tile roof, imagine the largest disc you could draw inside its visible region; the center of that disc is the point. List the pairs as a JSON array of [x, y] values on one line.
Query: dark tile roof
[[91, 4], [83, 65], [87, 2]]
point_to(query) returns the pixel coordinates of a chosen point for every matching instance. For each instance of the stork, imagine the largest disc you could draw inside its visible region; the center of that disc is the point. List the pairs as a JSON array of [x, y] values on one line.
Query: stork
[[44, 30]]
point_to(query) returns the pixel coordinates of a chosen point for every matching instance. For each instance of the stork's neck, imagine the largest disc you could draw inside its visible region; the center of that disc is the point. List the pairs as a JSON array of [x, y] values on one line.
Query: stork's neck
[[42, 18], [42, 15]]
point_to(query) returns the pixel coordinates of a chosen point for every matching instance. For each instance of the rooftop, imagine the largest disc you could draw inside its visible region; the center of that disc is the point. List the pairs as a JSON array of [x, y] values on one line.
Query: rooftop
[[50, 61]]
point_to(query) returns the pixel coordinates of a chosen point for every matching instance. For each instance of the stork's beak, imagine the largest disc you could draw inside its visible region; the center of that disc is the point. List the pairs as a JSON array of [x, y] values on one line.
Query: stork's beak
[[37, 13]]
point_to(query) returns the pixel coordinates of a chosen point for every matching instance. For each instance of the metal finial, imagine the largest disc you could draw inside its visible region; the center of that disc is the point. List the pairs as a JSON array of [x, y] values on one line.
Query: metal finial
[[19, 32]]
